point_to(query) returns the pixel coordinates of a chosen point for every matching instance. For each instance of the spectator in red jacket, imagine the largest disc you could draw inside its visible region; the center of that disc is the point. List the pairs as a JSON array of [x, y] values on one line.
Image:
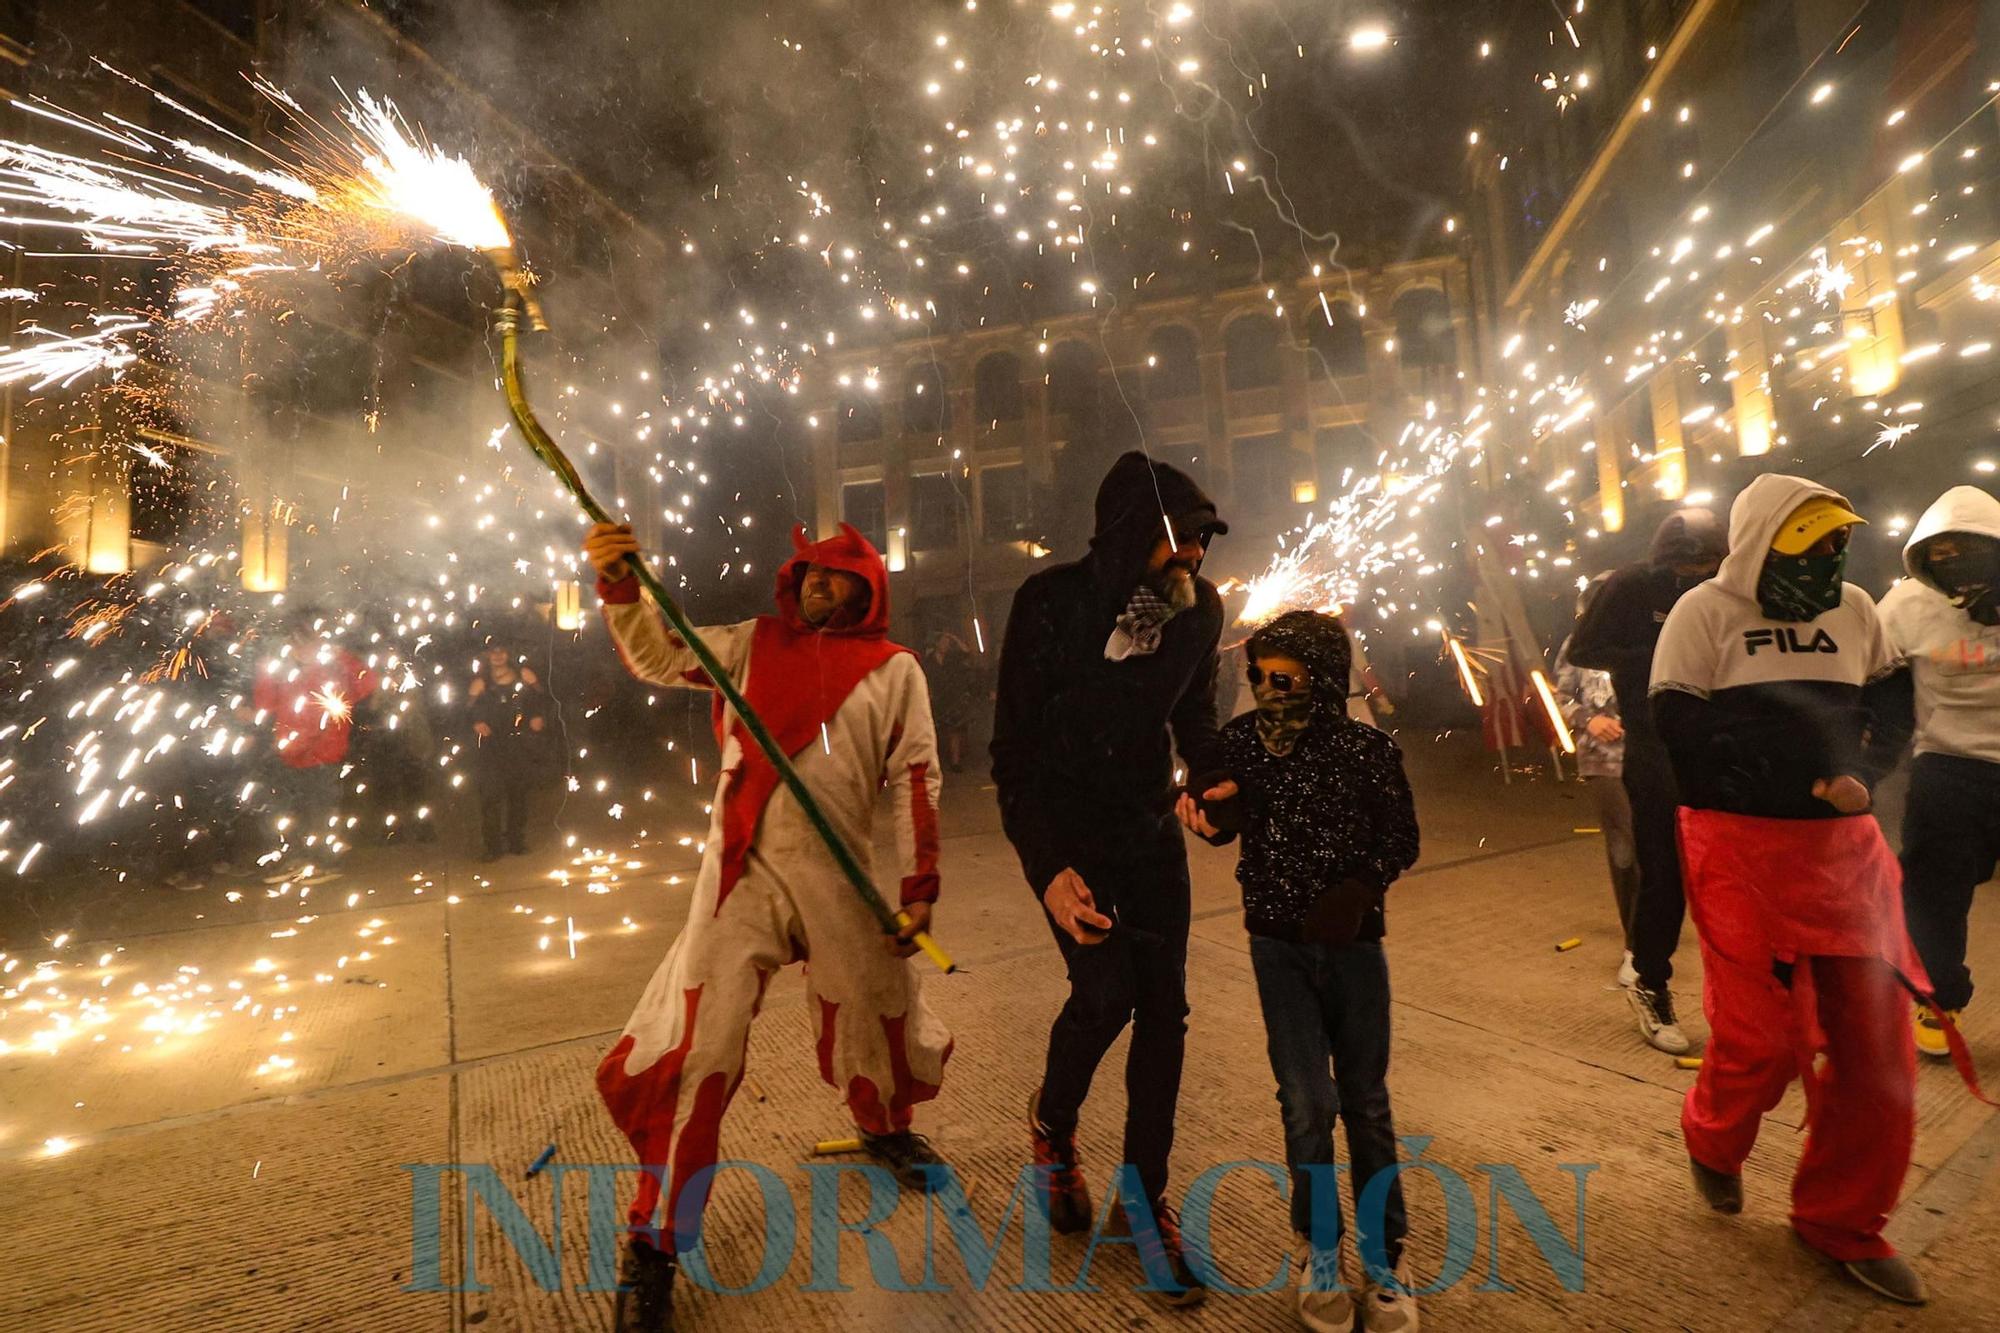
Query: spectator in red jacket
[[306, 694]]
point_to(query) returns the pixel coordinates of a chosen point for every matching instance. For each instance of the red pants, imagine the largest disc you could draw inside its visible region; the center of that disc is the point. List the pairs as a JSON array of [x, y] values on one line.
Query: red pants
[[1821, 895], [1860, 1097]]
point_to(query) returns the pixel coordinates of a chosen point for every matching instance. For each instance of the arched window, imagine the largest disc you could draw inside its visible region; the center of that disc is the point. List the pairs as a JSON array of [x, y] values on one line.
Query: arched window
[[1072, 379], [996, 387], [926, 410], [1339, 348], [860, 419], [1250, 352], [1173, 363], [1423, 328]]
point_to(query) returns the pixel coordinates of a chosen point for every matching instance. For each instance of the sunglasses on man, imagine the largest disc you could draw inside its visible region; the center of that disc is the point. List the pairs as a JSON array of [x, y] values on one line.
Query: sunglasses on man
[[1281, 681]]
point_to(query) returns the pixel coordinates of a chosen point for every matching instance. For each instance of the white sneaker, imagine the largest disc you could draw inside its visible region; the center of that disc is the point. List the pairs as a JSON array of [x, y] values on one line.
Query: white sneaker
[[1655, 1011], [1322, 1300], [1628, 976], [1390, 1306]]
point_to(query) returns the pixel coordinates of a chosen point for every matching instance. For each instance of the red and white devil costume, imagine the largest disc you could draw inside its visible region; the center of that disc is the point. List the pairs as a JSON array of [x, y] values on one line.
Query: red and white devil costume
[[851, 710]]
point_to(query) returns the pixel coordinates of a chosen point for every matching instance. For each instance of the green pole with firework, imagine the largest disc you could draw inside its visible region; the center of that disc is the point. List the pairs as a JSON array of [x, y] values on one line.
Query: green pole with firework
[[520, 308]]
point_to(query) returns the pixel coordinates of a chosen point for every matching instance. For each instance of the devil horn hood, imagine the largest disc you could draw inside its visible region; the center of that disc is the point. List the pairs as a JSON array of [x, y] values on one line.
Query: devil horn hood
[[849, 551]]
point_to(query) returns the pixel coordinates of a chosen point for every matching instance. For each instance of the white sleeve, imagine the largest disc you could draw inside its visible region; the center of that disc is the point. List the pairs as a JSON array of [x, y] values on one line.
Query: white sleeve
[[655, 655], [1688, 652], [910, 771], [1897, 610], [1882, 658]]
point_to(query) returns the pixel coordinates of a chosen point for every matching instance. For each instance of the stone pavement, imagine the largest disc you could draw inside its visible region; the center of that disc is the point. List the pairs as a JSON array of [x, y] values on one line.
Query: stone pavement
[[207, 1188]]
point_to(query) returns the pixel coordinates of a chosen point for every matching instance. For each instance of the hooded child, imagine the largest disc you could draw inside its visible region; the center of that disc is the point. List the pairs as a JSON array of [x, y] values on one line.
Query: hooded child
[[1328, 823]]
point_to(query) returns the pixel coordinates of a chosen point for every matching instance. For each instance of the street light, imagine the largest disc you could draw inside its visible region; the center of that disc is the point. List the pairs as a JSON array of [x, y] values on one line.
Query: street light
[[1371, 38]]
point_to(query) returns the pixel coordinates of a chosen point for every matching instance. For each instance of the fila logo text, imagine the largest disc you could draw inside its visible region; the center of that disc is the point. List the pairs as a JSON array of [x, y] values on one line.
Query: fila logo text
[[1788, 641]]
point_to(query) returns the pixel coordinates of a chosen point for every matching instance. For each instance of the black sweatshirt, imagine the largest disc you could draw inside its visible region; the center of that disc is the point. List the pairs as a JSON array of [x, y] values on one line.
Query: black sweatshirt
[[1620, 628], [1617, 634], [1081, 753], [1337, 807]]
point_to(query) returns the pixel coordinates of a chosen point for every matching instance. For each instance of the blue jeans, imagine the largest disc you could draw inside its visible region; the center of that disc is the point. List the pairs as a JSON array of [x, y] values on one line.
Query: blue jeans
[[1322, 1005]]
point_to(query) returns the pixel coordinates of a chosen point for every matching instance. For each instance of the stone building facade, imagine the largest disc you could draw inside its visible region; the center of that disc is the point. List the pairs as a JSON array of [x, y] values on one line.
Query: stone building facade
[[949, 452]]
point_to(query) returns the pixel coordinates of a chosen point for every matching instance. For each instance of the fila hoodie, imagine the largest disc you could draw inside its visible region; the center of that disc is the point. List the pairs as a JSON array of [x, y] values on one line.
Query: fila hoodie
[[1752, 710], [1954, 660]]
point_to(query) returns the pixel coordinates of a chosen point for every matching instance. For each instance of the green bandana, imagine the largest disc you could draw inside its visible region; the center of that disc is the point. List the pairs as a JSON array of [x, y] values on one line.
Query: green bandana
[[1800, 587], [1282, 717]]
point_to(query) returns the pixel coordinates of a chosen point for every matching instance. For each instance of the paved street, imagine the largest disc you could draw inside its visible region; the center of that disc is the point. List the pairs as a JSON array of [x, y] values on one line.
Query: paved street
[[203, 1184]]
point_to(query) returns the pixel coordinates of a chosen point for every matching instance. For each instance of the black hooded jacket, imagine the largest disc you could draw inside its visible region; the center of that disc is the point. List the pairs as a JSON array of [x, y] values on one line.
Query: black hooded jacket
[[1338, 806], [1081, 753], [1620, 628]]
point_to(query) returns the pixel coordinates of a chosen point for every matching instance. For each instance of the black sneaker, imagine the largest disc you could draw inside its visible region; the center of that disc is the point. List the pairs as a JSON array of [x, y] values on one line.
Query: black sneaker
[[910, 1156], [1169, 1280], [645, 1291], [1719, 1190]]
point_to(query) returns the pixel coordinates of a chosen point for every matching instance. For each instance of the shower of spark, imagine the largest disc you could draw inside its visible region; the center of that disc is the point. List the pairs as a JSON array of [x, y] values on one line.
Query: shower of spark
[[414, 180], [62, 361], [1373, 528]]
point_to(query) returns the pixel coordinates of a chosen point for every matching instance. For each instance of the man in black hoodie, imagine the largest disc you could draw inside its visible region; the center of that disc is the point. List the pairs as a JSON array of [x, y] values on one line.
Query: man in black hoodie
[[1617, 633], [1108, 666]]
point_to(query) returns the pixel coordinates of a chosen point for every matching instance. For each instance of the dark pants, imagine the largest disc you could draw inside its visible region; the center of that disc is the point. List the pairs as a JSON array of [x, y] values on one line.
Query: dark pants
[[503, 802], [1661, 910], [1319, 1004], [1951, 841], [311, 796], [1135, 978], [402, 787], [1621, 855]]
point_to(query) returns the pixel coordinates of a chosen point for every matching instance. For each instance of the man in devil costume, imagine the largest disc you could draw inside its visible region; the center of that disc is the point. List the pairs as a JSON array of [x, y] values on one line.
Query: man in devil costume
[[851, 710]]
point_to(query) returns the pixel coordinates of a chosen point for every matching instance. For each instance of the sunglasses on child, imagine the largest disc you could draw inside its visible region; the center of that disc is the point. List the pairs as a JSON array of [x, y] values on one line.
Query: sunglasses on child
[[1282, 681]]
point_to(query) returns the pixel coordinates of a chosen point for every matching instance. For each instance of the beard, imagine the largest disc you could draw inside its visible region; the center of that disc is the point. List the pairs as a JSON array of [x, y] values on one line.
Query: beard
[[1175, 585]]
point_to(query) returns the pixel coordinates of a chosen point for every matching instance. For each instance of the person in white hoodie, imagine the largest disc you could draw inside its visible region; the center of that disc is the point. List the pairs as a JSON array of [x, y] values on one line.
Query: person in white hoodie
[[1765, 688], [1944, 620]]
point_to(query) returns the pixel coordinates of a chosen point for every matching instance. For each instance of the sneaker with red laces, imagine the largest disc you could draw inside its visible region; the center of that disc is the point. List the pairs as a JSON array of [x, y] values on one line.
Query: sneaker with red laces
[[1162, 1258], [1065, 1196]]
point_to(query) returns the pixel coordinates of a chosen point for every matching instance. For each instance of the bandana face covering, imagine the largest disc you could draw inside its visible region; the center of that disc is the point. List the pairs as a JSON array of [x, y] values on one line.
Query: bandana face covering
[[1974, 583], [1282, 715], [1800, 587], [1137, 632]]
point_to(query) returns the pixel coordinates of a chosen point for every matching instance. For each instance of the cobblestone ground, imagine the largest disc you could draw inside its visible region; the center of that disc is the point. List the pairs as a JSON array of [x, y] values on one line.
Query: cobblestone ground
[[201, 1194]]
